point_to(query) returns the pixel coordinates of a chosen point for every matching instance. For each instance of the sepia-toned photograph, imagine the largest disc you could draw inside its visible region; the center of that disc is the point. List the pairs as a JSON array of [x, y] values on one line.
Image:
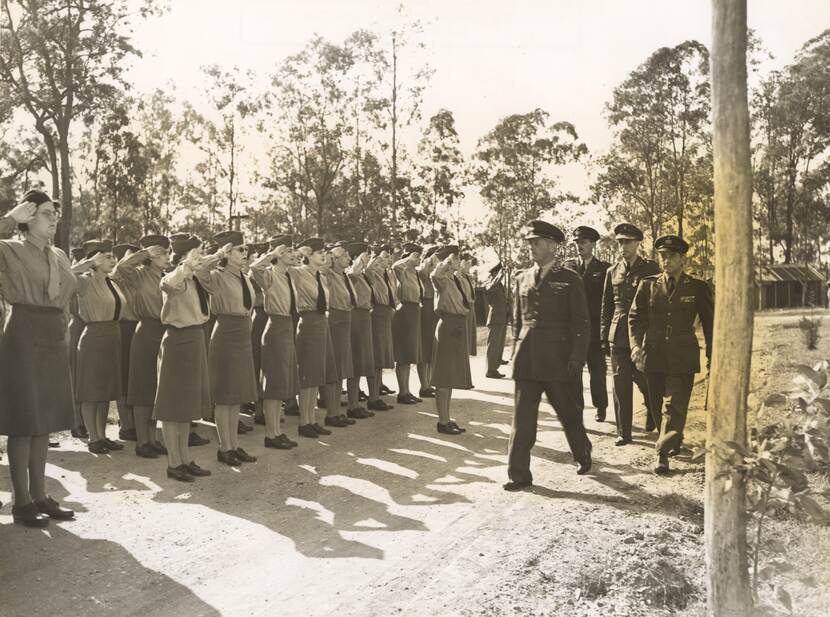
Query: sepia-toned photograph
[[418, 308]]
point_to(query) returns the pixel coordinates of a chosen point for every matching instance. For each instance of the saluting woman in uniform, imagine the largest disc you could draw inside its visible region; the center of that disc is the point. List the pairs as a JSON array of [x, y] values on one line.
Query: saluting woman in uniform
[[76, 326], [363, 355], [98, 378], [406, 324], [230, 357], [450, 352], [463, 274], [315, 357], [127, 324], [279, 375], [383, 311], [183, 392], [428, 264], [35, 386], [139, 274], [258, 323]]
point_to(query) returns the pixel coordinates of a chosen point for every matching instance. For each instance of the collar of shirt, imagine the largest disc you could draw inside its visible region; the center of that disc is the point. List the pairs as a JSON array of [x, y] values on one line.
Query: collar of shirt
[[36, 242], [541, 272], [232, 270], [587, 262]]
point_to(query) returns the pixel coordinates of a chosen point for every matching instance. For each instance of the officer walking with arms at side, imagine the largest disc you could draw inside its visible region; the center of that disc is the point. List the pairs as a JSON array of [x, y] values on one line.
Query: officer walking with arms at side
[[552, 334], [497, 315], [621, 282], [663, 340], [592, 271]]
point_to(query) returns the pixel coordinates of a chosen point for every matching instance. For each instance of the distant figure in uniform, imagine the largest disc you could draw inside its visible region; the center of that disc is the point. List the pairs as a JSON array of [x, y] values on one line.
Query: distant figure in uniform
[[621, 282], [592, 271], [663, 341], [384, 301], [428, 319], [260, 320], [463, 273], [342, 301], [363, 356], [552, 333], [76, 327], [497, 317], [406, 324], [128, 324]]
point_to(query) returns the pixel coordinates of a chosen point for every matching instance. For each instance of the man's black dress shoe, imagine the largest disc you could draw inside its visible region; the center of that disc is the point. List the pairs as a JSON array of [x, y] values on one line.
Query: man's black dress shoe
[[52, 509], [228, 457], [29, 516], [514, 486]]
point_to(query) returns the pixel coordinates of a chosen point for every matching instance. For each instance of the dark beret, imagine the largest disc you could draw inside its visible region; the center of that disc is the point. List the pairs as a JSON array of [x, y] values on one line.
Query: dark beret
[[229, 237], [356, 249], [315, 244], [586, 233], [154, 240], [543, 229], [182, 243], [411, 247], [119, 250], [430, 251], [672, 243], [36, 197], [281, 240], [78, 253], [627, 231], [445, 251], [97, 246], [257, 248]]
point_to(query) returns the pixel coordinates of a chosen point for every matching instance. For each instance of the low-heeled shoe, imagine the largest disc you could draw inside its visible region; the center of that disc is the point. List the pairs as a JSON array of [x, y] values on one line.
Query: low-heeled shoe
[[514, 486], [307, 430], [448, 429], [228, 457], [127, 434], [194, 470], [379, 405], [320, 430], [159, 447], [244, 456], [277, 443], [52, 509], [114, 445], [336, 421], [180, 473], [194, 439], [98, 447], [146, 450], [29, 516]]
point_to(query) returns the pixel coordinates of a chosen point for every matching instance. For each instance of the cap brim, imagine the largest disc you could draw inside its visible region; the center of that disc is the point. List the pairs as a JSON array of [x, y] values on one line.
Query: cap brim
[[626, 237]]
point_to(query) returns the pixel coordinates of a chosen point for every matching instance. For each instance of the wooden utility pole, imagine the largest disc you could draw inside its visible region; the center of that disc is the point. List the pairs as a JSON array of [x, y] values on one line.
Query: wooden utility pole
[[394, 130], [725, 515]]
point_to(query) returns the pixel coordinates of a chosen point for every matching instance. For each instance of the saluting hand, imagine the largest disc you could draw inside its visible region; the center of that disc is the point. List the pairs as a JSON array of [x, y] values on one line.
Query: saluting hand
[[155, 251], [23, 212], [193, 258]]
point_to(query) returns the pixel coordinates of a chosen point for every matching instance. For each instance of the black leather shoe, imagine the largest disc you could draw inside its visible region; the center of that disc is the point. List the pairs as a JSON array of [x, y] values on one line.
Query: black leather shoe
[[127, 434], [79, 433], [291, 408], [277, 443], [52, 509], [362, 396], [584, 466], [662, 467], [454, 424], [514, 486], [650, 425], [347, 419], [259, 418], [159, 447], [600, 417], [145, 450], [336, 421], [406, 399], [228, 457], [359, 413], [194, 470], [449, 429], [494, 375], [426, 392], [287, 440], [307, 430], [379, 405], [194, 439], [385, 391], [320, 430], [242, 428], [248, 408], [29, 516], [98, 447], [180, 473], [622, 441], [114, 445], [244, 456]]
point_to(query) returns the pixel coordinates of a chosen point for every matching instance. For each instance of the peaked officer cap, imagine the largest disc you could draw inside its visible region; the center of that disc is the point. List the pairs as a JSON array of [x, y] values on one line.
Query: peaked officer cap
[[627, 231], [154, 240], [543, 229], [586, 233], [672, 243]]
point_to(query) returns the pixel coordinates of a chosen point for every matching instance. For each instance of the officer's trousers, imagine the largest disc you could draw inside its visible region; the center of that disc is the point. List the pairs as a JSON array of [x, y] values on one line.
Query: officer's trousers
[[625, 375], [597, 370], [562, 397], [676, 390], [495, 346]]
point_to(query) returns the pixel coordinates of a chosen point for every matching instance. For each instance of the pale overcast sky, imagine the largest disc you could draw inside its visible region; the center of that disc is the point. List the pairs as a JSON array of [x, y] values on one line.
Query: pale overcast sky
[[491, 57]]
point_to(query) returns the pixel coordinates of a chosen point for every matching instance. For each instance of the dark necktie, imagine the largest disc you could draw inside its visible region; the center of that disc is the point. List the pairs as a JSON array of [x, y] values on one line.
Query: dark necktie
[[371, 289], [670, 285], [321, 294], [537, 276], [420, 287], [116, 297], [388, 287], [291, 294], [203, 301], [351, 291], [582, 268], [461, 289], [246, 293]]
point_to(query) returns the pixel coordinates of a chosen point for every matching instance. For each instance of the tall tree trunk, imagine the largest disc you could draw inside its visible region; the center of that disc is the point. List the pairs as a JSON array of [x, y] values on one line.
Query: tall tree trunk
[[725, 514], [66, 188], [394, 132]]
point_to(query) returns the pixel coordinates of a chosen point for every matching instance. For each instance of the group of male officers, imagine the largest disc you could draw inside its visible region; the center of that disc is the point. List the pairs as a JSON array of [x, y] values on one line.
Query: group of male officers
[[567, 314]]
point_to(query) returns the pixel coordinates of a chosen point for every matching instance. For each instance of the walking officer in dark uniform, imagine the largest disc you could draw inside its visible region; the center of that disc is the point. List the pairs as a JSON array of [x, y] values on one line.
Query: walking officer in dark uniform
[[551, 333], [621, 282], [497, 317], [663, 341], [592, 271]]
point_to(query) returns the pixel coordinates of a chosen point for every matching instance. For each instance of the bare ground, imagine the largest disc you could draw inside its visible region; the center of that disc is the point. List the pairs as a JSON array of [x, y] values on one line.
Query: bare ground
[[389, 517]]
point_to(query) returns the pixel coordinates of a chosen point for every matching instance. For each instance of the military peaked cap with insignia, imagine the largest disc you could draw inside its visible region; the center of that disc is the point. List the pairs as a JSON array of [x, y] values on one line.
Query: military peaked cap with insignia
[[119, 250], [97, 246], [315, 244], [672, 243], [229, 237], [543, 229], [627, 231], [281, 240], [154, 240], [584, 232]]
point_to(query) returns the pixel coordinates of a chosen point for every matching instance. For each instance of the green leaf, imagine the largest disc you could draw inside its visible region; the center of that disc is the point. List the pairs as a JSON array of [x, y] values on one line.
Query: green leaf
[[784, 597]]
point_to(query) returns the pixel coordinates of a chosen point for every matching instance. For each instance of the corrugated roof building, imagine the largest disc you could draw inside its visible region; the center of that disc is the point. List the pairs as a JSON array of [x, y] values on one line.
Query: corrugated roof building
[[789, 286]]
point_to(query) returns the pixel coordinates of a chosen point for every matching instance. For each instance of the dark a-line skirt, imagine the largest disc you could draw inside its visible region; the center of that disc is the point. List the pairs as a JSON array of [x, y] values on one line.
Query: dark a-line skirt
[[128, 327], [406, 333], [340, 327], [427, 329], [280, 377], [315, 358], [383, 346], [144, 356], [76, 327], [363, 354], [98, 376], [472, 331], [183, 393], [35, 381], [231, 361], [450, 354], [260, 318]]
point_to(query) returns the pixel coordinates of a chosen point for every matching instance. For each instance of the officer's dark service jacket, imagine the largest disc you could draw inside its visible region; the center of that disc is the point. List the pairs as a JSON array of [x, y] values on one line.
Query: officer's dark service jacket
[[663, 326], [593, 278], [550, 324], [618, 294], [498, 311]]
